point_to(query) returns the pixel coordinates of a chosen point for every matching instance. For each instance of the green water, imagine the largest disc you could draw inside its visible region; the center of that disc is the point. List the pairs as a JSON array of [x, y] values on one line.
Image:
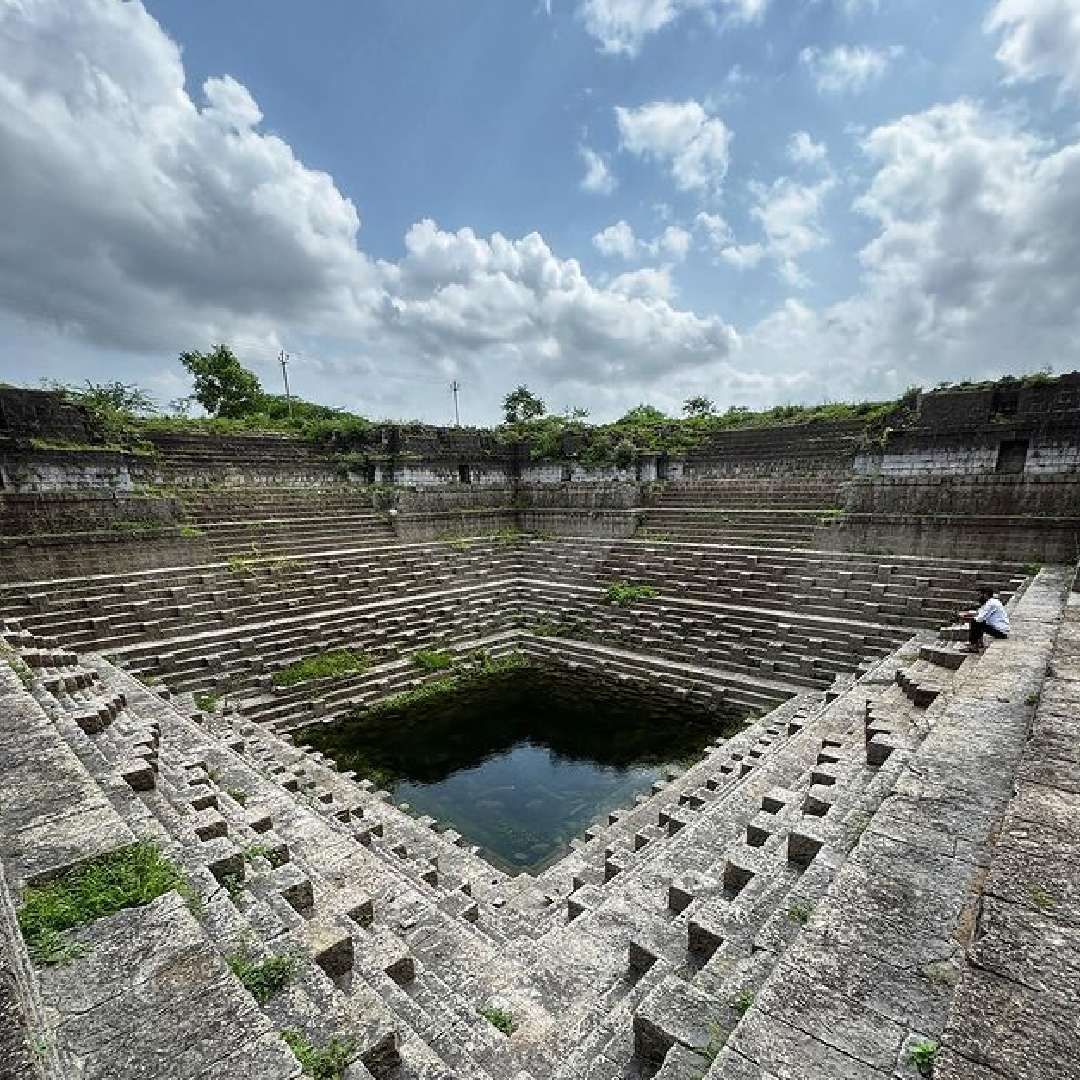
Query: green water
[[519, 765]]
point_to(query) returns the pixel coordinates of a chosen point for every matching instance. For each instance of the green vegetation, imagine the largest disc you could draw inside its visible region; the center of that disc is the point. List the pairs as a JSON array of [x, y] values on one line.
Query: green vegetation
[[923, 1054], [466, 671], [130, 877], [191, 532], [800, 913], [742, 1002], [207, 702], [326, 1062], [715, 1044], [238, 796], [223, 386], [246, 565], [1042, 899], [263, 979], [330, 665], [434, 659], [625, 594], [499, 1019], [274, 856], [522, 405], [1030, 569], [18, 665]]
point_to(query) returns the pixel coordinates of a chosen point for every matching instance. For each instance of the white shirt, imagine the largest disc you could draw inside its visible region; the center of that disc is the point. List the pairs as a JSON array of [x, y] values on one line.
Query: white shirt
[[993, 613]]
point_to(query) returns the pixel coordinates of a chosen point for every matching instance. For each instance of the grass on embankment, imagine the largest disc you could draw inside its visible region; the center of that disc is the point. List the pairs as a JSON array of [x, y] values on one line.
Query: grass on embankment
[[130, 877], [322, 666]]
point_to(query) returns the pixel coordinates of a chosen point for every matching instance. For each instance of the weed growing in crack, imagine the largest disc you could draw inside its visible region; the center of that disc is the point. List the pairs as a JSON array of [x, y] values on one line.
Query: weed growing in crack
[[263, 979], [327, 1062], [499, 1019]]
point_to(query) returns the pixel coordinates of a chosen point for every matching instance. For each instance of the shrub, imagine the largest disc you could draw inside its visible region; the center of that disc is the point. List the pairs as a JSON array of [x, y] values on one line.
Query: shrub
[[625, 594]]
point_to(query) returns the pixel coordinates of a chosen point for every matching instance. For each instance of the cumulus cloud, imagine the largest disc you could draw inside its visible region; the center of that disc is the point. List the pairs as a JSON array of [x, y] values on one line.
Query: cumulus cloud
[[1040, 40], [974, 269], [621, 26], [137, 217], [789, 214], [681, 135], [619, 241], [790, 217], [598, 178], [802, 150], [848, 69]]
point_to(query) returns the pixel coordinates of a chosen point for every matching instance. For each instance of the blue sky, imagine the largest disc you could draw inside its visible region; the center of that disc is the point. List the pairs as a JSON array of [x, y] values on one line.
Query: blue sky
[[611, 200]]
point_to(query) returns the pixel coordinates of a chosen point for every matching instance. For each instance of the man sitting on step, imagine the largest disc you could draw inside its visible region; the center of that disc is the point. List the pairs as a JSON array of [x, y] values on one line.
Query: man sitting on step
[[991, 618]]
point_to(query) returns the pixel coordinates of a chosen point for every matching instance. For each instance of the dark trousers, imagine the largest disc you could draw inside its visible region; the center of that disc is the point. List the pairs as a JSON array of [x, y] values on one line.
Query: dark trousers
[[976, 629]]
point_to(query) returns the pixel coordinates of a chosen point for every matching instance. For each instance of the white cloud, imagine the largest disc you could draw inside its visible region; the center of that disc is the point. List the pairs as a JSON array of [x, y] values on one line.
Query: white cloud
[[598, 178], [716, 229], [647, 284], [621, 26], [802, 150], [142, 222], [743, 256], [683, 136], [789, 214], [974, 269], [675, 242], [1040, 40], [617, 240], [848, 68]]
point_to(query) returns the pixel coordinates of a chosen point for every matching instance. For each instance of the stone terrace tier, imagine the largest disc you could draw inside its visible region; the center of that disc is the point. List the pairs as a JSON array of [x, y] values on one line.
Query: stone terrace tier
[[797, 903]]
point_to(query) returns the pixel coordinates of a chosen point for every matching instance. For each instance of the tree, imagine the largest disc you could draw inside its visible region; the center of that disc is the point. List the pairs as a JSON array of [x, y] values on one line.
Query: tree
[[223, 386], [643, 414], [698, 406], [522, 404]]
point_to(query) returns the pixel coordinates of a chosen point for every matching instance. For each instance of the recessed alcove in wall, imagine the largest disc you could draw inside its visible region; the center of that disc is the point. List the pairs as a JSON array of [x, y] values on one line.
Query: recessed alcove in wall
[[522, 762]]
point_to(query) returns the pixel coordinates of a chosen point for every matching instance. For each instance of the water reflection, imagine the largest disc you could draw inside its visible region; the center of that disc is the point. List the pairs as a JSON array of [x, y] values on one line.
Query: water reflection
[[521, 764]]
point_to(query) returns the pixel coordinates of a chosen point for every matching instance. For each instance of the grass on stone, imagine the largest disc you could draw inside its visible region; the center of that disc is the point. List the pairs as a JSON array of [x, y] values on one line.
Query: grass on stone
[[434, 659], [742, 1001], [500, 1019], [322, 666], [624, 594], [800, 913], [263, 979], [923, 1054], [207, 702], [191, 532], [326, 1062], [130, 877]]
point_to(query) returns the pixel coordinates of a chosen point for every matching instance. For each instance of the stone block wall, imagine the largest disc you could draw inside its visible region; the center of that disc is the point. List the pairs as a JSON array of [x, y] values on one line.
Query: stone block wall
[[78, 511]]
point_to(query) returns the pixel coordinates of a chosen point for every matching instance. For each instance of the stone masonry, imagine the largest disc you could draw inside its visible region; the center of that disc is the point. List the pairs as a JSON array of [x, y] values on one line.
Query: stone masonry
[[877, 877]]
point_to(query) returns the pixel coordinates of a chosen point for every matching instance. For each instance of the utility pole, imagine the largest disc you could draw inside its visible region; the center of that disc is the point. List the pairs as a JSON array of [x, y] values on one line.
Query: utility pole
[[455, 386], [283, 357]]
